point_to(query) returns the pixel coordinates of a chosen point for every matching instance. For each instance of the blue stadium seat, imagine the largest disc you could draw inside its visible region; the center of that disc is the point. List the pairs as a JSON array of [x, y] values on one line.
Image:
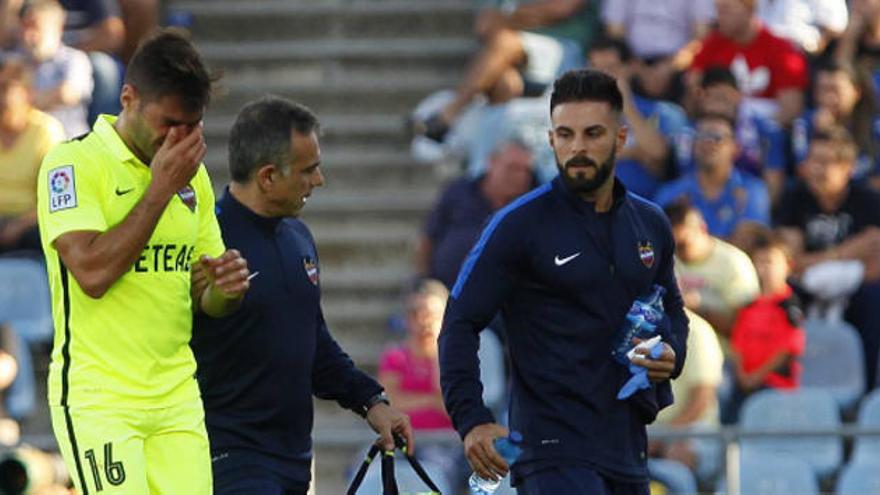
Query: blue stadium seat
[[776, 475], [867, 449], [859, 478], [834, 361], [812, 325], [673, 475], [795, 411], [24, 299]]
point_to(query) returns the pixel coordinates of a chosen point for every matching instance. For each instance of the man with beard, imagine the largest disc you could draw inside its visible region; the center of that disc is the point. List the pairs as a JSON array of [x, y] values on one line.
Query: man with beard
[[563, 264]]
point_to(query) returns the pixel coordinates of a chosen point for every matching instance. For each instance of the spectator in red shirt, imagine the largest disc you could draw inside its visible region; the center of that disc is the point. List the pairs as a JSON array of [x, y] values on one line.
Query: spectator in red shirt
[[766, 337], [770, 71]]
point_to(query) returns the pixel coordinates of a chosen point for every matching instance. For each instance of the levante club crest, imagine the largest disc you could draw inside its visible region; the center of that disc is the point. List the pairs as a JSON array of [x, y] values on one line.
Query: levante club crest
[[646, 253], [311, 270], [188, 196]]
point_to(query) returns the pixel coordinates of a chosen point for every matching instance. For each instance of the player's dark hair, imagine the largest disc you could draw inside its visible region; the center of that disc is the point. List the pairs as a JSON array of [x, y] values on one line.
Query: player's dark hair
[[586, 85], [167, 64], [261, 135]]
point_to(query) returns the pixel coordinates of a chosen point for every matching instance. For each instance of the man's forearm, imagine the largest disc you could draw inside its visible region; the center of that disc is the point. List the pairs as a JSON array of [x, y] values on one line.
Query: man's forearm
[[99, 263], [216, 304]]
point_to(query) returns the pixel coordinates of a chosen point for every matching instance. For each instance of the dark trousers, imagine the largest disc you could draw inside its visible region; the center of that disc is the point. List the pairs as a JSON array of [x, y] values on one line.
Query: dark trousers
[[577, 481], [254, 486]]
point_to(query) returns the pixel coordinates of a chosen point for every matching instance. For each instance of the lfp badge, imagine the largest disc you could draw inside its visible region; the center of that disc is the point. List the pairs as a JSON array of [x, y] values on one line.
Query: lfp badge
[[646, 253], [62, 188]]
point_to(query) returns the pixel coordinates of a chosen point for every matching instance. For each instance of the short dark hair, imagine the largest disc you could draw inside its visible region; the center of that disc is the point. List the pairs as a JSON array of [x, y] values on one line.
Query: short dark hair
[[834, 65], [718, 75], [261, 134], [677, 211], [845, 149], [167, 63], [586, 85], [619, 45], [764, 239]]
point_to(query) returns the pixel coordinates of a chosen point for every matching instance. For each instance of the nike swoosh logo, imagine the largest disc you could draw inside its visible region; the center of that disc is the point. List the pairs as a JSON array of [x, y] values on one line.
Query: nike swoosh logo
[[120, 192], [561, 261]]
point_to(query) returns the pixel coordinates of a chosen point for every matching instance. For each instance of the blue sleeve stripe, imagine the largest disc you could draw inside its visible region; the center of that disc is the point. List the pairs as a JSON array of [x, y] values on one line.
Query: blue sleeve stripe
[[477, 250]]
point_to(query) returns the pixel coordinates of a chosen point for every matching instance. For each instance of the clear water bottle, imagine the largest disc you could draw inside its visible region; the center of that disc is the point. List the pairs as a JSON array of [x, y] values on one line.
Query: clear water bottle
[[510, 448], [641, 321]]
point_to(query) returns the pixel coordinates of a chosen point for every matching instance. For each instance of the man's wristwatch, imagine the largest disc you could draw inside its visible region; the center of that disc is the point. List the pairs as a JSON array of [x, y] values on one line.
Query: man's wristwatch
[[372, 401]]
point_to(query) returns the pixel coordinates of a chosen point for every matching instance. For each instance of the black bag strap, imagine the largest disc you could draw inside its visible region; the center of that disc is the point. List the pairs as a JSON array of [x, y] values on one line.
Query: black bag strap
[[389, 483], [362, 471]]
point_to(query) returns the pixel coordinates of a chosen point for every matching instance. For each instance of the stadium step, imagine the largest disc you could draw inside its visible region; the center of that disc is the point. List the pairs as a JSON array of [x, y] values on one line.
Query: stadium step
[[321, 20]]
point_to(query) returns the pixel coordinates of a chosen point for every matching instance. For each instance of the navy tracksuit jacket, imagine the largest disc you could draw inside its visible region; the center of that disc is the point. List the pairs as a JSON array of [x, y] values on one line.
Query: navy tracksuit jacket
[[259, 367], [563, 278]]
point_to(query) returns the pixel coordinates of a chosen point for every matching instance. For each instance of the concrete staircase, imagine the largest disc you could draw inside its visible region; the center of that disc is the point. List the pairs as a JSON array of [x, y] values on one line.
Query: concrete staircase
[[361, 65]]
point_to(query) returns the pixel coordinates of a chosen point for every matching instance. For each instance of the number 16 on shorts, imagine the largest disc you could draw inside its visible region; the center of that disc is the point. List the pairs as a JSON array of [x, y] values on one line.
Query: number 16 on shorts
[[113, 472]]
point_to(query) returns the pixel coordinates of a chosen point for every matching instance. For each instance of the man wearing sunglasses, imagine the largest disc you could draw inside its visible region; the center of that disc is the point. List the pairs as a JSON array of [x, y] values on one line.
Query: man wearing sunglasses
[[728, 199]]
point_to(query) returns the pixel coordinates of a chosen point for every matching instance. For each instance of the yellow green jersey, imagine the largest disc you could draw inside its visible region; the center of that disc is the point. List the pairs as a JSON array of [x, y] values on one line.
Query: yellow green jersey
[[130, 347]]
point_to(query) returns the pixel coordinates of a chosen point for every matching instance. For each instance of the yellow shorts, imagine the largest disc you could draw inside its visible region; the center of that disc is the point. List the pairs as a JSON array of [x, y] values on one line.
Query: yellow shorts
[[135, 451]]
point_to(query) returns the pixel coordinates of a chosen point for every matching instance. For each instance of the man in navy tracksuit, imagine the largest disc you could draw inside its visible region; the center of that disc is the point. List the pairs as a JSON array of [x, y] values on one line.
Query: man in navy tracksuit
[[563, 264], [259, 367]]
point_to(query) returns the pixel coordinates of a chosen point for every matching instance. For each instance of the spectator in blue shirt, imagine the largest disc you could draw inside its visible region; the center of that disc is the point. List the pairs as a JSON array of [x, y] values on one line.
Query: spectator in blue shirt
[[727, 198], [762, 142]]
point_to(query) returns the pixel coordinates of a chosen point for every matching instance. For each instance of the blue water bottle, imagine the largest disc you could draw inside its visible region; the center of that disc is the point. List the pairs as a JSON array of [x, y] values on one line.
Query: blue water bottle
[[641, 321], [510, 448]]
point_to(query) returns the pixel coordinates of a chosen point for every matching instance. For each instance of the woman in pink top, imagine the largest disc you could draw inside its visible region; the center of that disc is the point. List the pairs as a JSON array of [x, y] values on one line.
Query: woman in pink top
[[410, 372]]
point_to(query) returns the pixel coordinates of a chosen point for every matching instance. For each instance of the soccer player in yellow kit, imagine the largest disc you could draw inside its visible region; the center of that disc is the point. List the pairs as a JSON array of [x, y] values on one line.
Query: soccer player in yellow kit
[[132, 245]]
